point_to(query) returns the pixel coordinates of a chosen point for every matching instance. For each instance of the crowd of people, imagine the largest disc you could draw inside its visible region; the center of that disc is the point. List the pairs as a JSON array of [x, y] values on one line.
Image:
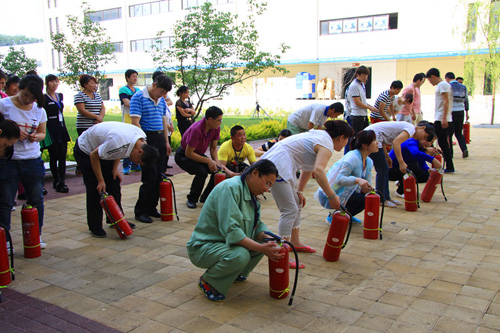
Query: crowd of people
[[228, 239]]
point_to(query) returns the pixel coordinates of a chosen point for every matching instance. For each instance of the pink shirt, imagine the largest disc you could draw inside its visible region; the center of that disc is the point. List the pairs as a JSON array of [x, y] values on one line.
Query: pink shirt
[[407, 108], [196, 137], [416, 100]]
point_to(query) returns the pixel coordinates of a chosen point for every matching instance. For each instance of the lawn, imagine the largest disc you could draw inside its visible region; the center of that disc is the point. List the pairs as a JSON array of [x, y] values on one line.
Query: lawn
[[70, 119]]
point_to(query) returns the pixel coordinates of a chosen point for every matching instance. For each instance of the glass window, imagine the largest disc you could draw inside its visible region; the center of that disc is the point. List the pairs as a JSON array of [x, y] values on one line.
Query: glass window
[[48, 3], [148, 43], [324, 28], [155, 7], [472, 22], [50, 26], [57, 24], [164, 6], [118, 47], [146, 9], [106, 15]]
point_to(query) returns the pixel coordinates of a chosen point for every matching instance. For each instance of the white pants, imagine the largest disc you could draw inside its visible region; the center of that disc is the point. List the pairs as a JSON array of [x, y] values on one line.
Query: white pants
[[287, 200]]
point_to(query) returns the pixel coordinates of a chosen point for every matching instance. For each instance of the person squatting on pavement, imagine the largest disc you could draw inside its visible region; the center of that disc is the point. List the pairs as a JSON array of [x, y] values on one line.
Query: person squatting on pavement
[[98, 152], [228, 238]]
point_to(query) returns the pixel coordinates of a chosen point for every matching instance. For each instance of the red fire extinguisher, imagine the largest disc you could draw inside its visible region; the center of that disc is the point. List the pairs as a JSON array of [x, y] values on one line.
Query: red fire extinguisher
[[115, 214], [167, 193], [439, 157], [279, 280], [410, 186], [6, 271], [219, 177], [31, 232], [335, 241], [467, 132], [371, 226], [435, 178]]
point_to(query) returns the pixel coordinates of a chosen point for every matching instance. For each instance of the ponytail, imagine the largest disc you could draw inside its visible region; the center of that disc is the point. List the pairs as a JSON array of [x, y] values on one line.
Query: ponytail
[[338, 128], [363, 138]]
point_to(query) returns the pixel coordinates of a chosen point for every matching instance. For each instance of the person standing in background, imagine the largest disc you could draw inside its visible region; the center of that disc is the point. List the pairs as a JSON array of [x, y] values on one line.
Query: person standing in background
[[460, 106], [89, 104]]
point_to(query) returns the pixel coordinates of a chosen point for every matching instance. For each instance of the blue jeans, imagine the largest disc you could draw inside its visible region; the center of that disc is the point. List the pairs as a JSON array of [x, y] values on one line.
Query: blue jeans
[[348, 145], [382, 180], [30, 173]]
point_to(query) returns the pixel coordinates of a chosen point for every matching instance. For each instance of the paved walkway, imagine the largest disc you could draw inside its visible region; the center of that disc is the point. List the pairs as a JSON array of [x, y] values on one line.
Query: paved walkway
[[437, 269]]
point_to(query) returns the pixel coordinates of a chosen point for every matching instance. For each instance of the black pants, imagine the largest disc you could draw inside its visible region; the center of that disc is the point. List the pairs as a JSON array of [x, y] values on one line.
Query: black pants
[[57, 155], [443, 135], [457, 129], [149, 192], [183, 125], [421, 175], [94, 209], [200, 172], [356, 203], [359, 123]]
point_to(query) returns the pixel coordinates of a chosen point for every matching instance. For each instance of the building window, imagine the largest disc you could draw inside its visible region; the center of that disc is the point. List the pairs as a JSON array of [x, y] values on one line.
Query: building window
[[488, 87], [150, 8], [54, 59], [186, 4], [140, 45], [472, 22], [104, 85], [118, 47], [59, 58], [359, 24], [105, 15], [57, 24], [223, 2], [48, 3], [55, 3], [50, 26]]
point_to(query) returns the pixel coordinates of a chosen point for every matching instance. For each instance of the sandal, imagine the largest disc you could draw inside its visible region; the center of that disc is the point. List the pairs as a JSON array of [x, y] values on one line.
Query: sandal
[[305, 249], [241, 278], [209, 291], [293, 265]]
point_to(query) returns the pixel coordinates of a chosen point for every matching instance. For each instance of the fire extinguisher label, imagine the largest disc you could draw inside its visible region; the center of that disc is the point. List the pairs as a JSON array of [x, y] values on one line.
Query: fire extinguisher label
[[370, 213], [279, 270]]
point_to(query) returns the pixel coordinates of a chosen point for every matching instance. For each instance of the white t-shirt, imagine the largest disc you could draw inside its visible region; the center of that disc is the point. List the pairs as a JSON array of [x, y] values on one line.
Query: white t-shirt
[[357, 89], [297, 152], [114, 139], [28, 121], [397, 107], [387, 131], [168, 115], [443, 87], [314, 113]]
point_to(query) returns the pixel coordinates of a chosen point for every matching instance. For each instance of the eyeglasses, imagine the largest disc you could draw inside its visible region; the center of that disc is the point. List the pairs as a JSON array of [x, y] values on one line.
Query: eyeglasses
[[268, 185]]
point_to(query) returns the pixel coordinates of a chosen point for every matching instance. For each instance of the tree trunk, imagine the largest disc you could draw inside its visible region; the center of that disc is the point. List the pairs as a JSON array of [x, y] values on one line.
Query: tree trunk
[[494, 88]]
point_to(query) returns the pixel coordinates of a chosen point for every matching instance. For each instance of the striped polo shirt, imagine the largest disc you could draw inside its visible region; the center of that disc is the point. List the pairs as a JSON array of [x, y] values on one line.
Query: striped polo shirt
[[92, 105], [150, 112], [384, 97]]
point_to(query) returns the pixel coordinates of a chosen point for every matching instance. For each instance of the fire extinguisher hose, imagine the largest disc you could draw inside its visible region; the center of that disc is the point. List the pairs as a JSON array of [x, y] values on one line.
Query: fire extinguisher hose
[[9, 239], [173, 192], [350, 225], [113, 222], [279, 240], [381, 215], [442, 189]]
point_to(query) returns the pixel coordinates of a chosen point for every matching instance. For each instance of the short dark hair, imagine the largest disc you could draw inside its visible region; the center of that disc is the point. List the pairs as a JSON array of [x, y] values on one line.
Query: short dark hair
[[460, 78], [12, 79], [337, 128], [213, 112], [285, 133], [129, 72], [265, 167], [34, 84], [3, 75], [338, 107], [149, 155], [85, 78], [156, 74], [362, 70], [235, 129], [418, 77], [450, 75], [363, 138], [9, 128], [397, 84], [432, 71], [49, 78], [181, 90], [163, 82], [429, 129], [409, 98]]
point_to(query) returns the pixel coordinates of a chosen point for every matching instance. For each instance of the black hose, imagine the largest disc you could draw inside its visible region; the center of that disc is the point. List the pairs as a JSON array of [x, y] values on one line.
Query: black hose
[[9, 239], [350, 225], [382, 215], [280, 240], [173, 193], [103, 198], [442, 188]]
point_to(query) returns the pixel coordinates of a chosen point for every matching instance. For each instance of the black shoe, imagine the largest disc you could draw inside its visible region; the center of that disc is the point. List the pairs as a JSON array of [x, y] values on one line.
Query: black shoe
[[191, 205], [155, 214], [21, 196], [132, 226], [44, 191], [169, 167], [98, 233], [449, 170], [54, 183], [62, 188], [144, 218], [465, 154]]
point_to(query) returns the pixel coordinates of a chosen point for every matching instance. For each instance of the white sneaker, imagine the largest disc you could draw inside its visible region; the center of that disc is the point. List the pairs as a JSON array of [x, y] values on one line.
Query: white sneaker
[[389, 203], [13, 208], [396, 202], [399, 195], [8, 249], [42, 243]]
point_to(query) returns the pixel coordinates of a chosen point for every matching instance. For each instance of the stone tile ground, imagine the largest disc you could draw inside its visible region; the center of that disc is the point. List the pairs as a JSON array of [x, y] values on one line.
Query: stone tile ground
[[437, 269]]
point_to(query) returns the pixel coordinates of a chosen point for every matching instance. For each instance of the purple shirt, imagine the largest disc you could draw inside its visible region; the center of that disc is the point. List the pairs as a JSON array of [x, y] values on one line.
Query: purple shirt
[[196, 137]]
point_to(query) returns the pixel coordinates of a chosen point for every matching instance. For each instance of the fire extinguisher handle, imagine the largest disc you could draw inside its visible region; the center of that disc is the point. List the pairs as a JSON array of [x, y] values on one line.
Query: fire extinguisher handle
[[274, 237]]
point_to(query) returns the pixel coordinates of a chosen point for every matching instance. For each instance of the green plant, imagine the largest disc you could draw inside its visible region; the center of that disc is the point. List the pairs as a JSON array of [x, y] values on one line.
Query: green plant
[[16, 62]]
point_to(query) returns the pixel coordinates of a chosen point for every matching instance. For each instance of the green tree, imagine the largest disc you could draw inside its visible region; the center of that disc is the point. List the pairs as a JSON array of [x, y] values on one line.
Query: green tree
[[212, 50], [482, 41], [8, 40], [16, 62], [87, 51]]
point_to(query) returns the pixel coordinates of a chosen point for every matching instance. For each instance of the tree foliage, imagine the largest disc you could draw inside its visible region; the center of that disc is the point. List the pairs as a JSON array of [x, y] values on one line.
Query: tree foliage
[[482, 40], [86, 51], [16, 62], [7, 40], [213, 50]]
